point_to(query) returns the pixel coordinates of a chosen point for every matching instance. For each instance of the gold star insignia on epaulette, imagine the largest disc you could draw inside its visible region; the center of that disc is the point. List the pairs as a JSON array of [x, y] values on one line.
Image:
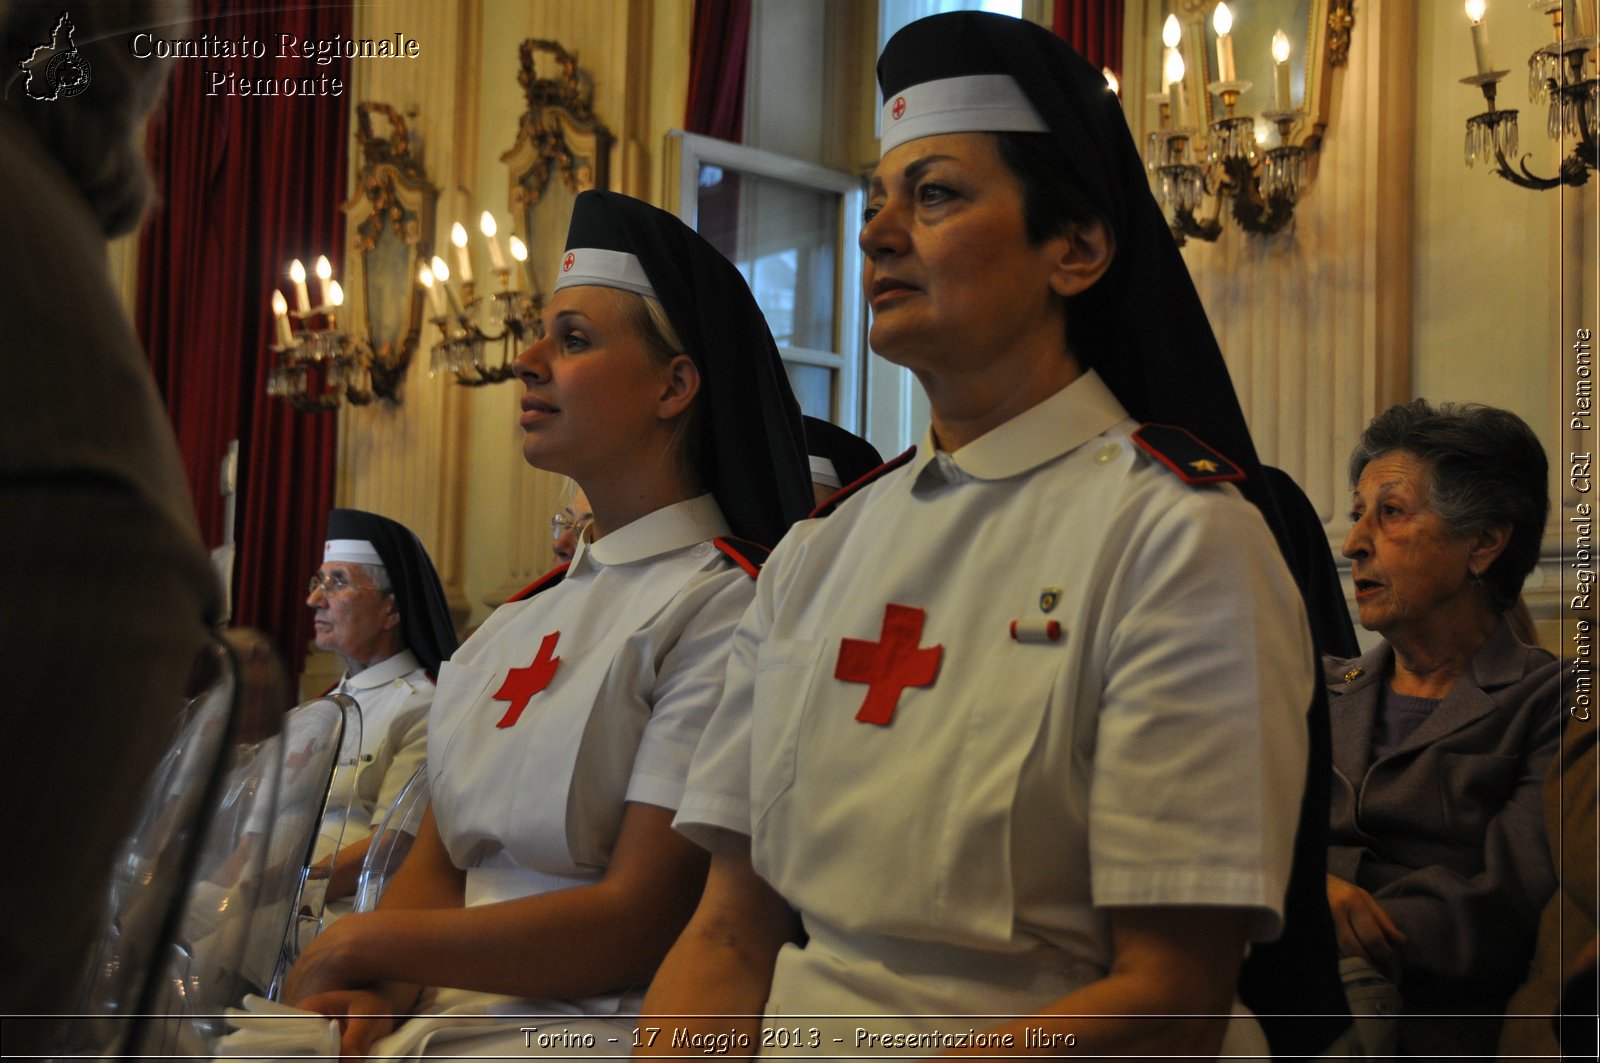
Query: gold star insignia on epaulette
[[1352, 675], [1204, 465]]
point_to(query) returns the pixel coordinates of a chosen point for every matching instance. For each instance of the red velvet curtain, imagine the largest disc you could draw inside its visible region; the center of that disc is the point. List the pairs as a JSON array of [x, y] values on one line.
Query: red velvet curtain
[[719, 43], [1094, 28], [247, 183]]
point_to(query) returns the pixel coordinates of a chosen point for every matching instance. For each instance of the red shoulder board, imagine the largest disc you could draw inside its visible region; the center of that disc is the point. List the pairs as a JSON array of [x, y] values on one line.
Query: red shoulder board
[[543, 583], [746, 553], [1182, 452], [832, 502]]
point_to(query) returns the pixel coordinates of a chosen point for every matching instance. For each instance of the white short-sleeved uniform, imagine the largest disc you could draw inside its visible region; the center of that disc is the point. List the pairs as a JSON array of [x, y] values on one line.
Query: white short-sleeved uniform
[[395, 695], [531, 800], [957, 860]]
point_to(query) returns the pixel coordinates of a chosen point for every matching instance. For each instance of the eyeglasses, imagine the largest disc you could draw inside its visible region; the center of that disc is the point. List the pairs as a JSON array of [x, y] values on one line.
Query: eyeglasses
[[336, 585], [560, 524]]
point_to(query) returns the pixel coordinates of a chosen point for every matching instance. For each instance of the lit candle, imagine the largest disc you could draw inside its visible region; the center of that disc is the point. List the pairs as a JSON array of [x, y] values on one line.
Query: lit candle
[[519, 251], [458, 236], [441, 273], [280, 310], [1179, 100], [1480, 36], [324, 278], [1281, 96], [1172, 69], [1222, 22], [425, 276], [1112, 81], [486, 224], [302, 298]]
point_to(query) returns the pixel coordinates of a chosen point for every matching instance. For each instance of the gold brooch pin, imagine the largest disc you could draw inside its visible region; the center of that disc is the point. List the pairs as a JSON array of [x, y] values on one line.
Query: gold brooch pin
[[1352, 674]]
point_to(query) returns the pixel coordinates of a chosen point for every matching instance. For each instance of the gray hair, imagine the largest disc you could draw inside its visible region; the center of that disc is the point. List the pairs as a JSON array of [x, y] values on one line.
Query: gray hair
[[376, 574], [97, 137], [1484, 465]]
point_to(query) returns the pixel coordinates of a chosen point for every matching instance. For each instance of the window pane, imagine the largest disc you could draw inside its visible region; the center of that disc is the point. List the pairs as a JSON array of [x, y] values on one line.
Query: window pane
[[813, 386], [784, 239]]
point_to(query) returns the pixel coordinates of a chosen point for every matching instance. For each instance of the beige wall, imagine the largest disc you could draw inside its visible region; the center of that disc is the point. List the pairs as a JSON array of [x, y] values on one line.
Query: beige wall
[[1404, 273]]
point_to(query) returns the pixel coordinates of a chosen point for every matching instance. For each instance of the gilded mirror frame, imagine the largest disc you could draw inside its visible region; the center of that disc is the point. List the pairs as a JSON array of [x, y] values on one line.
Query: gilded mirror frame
[[1325, 44], [394, 200], [559, 135]]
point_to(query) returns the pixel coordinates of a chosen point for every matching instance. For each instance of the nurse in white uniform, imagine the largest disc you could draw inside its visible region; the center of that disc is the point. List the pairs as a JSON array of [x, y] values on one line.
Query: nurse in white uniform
[[380, 606], [1019, 731], [547, 878]]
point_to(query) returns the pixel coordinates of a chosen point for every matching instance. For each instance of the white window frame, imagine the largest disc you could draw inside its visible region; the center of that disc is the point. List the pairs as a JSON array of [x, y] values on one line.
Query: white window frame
[[687, 152]]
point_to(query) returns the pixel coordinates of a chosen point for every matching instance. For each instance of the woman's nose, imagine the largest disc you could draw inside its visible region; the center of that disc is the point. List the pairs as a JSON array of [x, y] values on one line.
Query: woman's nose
[[883, 233], [531, 366], [1355, 543]]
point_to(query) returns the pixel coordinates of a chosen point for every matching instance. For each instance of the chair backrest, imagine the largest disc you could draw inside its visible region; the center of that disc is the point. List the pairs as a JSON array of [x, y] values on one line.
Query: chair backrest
[[393, 839], [158, 860], [231, 937]]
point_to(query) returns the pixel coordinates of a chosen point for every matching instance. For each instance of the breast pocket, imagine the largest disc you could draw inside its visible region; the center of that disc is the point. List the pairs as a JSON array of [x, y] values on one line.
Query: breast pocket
[[786, 670], [1473, 788]]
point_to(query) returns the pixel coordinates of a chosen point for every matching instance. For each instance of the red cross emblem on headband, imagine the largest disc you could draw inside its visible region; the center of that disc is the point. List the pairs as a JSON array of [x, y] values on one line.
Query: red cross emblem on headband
[[566, 263], [521, 684], [889, 665], [899, 107]]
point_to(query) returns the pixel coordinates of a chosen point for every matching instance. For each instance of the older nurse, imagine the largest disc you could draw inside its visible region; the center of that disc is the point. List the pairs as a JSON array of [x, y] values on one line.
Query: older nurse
[[1020, 728], [1437, 858]]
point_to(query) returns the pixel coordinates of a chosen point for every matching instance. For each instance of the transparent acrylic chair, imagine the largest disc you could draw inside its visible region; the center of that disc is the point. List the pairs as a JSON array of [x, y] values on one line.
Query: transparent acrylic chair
[[393, 839], [158, 860], [231, 936]]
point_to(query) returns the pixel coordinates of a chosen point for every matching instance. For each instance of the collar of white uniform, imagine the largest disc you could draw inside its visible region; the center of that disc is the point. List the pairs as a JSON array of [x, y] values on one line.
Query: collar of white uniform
[[673, 527], [383, 673], [1066, 420]]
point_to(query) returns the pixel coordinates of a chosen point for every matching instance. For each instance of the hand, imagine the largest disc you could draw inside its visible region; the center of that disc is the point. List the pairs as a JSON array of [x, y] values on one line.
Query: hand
[[328, 964], [364, 1016], [1362, 927]]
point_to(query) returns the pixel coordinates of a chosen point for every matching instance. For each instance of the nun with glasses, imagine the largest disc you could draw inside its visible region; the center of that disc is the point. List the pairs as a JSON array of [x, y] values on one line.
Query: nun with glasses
[[1019, 732], [546, 877]]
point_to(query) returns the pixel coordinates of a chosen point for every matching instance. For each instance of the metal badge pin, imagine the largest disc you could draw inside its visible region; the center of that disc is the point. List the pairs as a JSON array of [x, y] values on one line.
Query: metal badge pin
[[1352, 674], [1048, 598]]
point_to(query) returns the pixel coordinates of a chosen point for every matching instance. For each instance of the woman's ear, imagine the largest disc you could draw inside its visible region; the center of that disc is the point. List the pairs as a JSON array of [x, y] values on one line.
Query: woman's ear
[[1082, 257], [682, 384], [1487, 547]]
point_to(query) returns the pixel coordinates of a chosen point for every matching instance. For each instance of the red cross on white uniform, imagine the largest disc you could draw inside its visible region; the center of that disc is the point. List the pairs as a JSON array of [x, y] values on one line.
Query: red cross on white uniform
[[899, 109], [889, 665], [521, 684], [566, 263]]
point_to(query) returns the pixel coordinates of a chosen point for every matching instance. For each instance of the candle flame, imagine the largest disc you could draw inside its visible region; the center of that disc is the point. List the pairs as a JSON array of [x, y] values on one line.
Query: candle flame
[[458, 234], [324, 268], [297, 271], [1222, 20], [519, 250], [1280, 46], [280, 305], [486, 224], [335, 295], [1174, 65], [1475, 9], [1171, 34], [425, 276], [440, 270]]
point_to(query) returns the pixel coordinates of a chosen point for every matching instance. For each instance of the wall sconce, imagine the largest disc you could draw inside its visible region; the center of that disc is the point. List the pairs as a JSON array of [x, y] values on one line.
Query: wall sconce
[[480, 335], [320, 366], [1196, 159], [1562, 74]]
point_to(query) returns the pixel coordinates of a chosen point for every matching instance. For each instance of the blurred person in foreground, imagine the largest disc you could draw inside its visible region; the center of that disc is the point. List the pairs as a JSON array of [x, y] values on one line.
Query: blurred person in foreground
[[109, 591]]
